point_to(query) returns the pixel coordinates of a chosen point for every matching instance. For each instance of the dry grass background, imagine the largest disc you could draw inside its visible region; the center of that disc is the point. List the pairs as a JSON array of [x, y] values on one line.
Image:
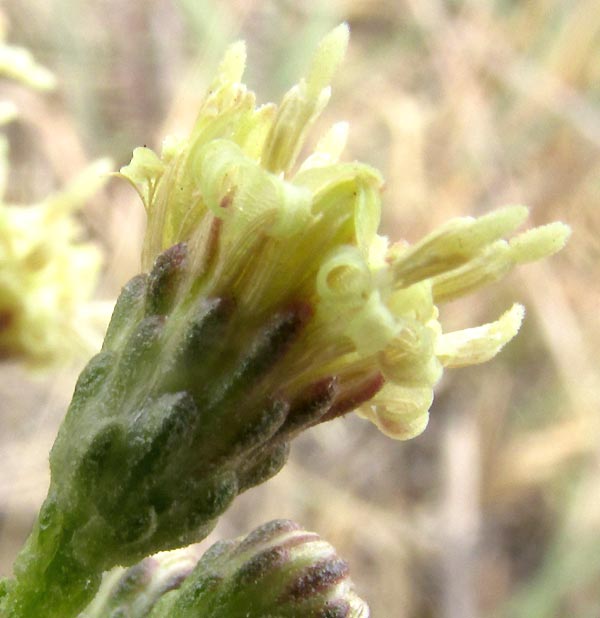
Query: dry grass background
[[465, 105]]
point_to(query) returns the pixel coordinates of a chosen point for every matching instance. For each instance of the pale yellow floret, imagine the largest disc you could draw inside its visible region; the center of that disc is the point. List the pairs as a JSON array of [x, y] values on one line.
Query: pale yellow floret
[[455, 243], [329, 148], [302, 104], [144, 172], [399, 412], [481, 343], [499, 258], [232, 66], [267, 232], [47, 275], [539, 242]]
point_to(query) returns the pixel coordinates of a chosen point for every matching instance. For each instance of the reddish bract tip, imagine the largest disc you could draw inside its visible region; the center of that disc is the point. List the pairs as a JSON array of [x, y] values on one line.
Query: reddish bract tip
[[352, 398]]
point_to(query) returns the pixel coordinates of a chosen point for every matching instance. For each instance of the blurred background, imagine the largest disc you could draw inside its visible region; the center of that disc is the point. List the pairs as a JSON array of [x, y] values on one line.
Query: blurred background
[[465, 106]]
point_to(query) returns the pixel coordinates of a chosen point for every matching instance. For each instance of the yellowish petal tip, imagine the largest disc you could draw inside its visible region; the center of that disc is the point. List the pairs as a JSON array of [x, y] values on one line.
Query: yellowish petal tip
[[504, 220], [233, 64], [539, 242], [327, 58], [404, 429], [516, 213], [510, 321], [341, 33], [399, 412], [472, 346]]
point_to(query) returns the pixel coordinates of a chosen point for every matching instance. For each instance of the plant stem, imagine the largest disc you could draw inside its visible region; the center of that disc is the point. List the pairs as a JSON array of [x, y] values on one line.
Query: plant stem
[[50, 581]]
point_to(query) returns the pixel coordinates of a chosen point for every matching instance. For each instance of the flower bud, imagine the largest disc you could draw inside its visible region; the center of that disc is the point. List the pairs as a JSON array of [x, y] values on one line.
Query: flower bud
[[133, 592], [278, 570]]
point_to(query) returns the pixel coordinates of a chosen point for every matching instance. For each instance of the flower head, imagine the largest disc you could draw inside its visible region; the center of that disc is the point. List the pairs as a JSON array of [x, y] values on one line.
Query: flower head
[[272, 304], [269, 233], [46, 273]]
